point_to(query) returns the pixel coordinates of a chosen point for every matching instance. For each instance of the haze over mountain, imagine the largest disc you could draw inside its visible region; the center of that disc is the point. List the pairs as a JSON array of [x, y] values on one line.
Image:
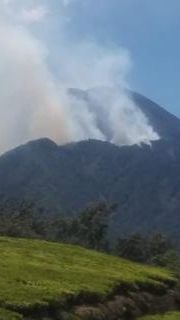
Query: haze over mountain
[[143, 180], [112, 115], [37, 72], [164, 124]]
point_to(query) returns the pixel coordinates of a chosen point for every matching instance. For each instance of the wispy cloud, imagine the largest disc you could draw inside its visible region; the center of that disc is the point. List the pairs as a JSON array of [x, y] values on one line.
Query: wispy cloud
[[24, 12], [34, 14]]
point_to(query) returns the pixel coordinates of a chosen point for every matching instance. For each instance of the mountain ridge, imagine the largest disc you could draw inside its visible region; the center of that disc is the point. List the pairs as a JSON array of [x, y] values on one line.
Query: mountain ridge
[[144, 181]]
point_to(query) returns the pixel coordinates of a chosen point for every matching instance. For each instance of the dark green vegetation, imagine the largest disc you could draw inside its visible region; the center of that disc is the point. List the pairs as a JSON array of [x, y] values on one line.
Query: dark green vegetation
[[35, 275], [88, 229], [168, 316], [143, 181], [156, 249]]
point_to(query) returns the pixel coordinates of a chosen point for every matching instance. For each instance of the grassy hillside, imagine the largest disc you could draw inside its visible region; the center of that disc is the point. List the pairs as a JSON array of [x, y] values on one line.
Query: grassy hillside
[[9, 315], [168, 316], [35, 272]]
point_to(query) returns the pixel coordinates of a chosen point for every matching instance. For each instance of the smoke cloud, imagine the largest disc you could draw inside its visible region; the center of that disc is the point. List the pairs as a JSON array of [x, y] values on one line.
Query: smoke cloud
[[35, 100]]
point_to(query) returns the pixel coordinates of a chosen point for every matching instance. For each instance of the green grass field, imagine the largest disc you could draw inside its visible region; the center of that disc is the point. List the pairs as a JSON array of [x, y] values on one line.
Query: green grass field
[[9, 315], [168, 316], [35, 272]]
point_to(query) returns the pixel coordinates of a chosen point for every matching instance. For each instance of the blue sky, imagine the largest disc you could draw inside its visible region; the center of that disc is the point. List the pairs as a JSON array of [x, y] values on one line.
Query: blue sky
[[48, 47], [149, 29]]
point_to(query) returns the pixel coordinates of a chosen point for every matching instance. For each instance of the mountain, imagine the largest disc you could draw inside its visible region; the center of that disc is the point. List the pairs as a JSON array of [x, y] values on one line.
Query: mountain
[[143, 180]]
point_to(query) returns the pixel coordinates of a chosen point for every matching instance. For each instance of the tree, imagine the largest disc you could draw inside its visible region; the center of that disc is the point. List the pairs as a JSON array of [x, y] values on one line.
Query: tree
[[135, 248], [92, 225], [155, 249]]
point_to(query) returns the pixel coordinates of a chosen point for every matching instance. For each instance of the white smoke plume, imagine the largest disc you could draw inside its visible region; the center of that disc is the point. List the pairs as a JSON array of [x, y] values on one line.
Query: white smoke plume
[[34, 102]]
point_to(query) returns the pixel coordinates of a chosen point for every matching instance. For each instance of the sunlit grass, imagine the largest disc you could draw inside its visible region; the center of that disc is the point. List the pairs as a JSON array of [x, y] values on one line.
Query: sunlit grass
[[9, 315], [35, 272], [168, 316]]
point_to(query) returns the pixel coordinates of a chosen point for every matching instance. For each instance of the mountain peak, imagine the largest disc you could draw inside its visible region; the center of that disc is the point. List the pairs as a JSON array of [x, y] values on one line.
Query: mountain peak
[[42, 143], [39, 146], [163, 122], [166, 125]]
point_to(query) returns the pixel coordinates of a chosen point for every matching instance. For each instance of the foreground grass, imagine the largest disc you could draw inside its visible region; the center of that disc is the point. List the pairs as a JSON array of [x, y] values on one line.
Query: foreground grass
[[9, 315], [168, 316], [35, 272]]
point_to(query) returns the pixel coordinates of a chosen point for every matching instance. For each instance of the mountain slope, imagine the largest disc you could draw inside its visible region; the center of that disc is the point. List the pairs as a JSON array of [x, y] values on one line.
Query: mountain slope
[[143, 180], [163, 122]]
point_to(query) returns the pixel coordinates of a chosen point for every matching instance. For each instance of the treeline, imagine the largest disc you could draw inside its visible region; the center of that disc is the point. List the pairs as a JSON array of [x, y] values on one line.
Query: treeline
[[89, 228]]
